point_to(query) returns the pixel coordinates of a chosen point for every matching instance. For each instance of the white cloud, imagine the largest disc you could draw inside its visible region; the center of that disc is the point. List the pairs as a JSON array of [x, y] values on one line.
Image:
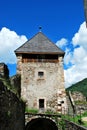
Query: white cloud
[[78, 71], [80, 38], [75, 73], [61, 43], [9, 41], [78, 55], [67, 57]]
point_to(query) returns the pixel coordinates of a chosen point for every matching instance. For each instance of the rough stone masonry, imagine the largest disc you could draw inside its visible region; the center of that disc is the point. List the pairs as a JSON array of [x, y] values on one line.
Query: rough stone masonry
[[40, 64]]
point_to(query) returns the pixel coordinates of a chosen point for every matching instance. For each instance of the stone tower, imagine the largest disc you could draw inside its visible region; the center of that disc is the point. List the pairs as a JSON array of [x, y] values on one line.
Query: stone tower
[[40, 64]]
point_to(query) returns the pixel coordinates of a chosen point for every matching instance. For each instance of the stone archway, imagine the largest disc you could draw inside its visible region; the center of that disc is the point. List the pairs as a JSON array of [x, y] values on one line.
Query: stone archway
[[41, 124]]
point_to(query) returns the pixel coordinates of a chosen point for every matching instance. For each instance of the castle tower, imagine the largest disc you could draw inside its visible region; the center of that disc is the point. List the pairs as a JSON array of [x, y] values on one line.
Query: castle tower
[[40, 64]]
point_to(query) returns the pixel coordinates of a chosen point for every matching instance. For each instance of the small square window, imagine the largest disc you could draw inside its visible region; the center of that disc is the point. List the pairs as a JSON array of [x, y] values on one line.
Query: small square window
[[40, 74]]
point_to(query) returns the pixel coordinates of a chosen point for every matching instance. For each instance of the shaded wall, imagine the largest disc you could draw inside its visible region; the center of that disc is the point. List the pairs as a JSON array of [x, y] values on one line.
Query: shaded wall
[[11, 110], [16, 84], [4, 72]]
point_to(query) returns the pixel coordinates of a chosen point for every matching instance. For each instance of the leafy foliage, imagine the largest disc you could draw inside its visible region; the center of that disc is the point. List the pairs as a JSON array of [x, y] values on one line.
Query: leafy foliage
[[80, 87]]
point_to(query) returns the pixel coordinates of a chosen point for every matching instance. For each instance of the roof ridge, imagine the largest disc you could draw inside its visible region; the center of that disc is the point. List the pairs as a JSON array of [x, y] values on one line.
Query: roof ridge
[[40, 43]]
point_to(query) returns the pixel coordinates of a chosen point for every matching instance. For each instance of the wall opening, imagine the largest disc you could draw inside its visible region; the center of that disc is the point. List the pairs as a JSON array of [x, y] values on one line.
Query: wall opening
[[40, 74], [41, 124], [41, 103]]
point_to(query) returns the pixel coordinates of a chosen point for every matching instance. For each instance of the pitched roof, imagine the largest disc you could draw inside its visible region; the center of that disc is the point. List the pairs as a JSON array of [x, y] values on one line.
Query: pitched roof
[[39, 44]]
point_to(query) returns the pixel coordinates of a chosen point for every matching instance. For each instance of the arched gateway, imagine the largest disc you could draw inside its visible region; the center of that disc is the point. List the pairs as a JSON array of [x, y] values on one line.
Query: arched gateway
[[41, 124]]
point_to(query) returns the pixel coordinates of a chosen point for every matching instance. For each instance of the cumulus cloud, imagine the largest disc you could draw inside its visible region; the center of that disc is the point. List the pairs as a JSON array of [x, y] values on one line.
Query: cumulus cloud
[[80, 38], [75, 52], [78, 70], [67, 57], [9, 41], [61, 43]]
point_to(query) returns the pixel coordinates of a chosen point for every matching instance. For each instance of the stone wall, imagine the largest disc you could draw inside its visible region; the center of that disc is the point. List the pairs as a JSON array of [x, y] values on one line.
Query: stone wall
[[16, 84], [73, 126], [11, 110], [79, 101], [19, 64], [4, 72], [49, 87], [78, 96]]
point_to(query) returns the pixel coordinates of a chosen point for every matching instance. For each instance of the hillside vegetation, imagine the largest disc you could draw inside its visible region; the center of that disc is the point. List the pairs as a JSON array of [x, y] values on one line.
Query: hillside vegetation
[[80, 87]]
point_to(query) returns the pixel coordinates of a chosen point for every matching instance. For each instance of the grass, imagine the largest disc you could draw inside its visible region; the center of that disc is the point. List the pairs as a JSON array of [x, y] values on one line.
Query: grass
[[28, 110], [76, 118], [84, 114]]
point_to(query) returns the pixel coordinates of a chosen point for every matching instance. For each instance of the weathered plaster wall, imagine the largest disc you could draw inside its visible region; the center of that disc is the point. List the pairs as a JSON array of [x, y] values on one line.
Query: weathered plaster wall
[[49, 87]]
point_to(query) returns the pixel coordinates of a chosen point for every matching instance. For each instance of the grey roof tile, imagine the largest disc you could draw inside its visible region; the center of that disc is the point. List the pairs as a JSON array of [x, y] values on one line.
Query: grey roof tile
[[39, 44]]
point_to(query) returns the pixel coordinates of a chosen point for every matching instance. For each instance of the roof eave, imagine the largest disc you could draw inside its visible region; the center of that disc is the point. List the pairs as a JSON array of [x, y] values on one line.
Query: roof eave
[[53, 53]]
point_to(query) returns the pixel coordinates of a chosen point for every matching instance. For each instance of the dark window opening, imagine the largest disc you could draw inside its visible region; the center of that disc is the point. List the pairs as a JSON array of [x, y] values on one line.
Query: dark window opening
[[59, 104], [41, 103], [86, 98], [40, 56], [41, 74], [62, 102]]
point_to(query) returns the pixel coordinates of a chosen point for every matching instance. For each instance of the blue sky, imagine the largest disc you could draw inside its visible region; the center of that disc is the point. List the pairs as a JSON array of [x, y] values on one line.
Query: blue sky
[[62, 21]]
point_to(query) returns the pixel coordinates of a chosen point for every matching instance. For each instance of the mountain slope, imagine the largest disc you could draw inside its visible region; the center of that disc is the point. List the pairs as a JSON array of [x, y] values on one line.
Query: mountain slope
[[80, 87]]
